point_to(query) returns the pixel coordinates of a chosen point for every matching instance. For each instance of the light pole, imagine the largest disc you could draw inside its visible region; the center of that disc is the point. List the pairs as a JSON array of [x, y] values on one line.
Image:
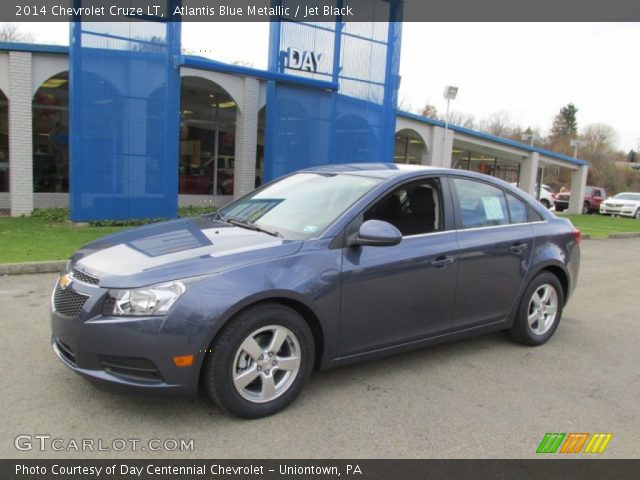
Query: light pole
[[449, 94], [575, 144]]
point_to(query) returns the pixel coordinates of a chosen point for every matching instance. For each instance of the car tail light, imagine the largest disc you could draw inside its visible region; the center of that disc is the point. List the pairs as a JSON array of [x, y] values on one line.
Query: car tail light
[[553, 195], [576, 235]]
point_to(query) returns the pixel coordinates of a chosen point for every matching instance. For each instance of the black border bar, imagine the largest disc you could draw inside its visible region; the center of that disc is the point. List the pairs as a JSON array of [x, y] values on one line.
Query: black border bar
[[579, 468], [357, 10]]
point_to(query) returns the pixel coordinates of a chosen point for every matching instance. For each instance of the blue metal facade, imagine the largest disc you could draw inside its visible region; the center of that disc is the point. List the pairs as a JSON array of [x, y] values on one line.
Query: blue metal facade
[[125, 102], [311, 126]]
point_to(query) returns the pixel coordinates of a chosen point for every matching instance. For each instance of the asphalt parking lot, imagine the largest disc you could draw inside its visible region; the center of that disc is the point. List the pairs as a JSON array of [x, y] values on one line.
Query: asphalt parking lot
[[482, 397]]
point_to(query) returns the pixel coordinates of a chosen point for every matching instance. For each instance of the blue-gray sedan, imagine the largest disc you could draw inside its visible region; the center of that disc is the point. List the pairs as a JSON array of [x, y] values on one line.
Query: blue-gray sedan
[[320, 268]]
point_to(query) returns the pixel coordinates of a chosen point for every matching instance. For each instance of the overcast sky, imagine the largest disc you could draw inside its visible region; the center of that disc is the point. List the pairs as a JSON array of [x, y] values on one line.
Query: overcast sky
[[528, 70]]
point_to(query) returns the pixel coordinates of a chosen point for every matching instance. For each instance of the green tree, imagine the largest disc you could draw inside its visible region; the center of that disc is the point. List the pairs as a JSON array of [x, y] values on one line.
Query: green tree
[[565, 123]]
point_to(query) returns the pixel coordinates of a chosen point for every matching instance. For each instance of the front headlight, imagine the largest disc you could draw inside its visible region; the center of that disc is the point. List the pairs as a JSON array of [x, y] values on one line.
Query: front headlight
[[146, 301]]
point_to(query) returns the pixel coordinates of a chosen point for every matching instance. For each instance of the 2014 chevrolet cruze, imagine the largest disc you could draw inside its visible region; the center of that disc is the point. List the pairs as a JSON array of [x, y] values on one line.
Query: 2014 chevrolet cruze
[[320, 268]]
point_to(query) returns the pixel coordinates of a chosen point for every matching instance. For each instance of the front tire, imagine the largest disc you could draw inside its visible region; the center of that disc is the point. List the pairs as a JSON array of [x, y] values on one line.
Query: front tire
[[260, 362], [545, 203], [586, 208], [637, 215], [539, 312]]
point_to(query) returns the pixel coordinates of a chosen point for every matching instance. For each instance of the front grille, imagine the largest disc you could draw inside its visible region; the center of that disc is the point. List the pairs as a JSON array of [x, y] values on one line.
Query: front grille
[[131, 368], [84, 277], [66, 352], [68, 302]]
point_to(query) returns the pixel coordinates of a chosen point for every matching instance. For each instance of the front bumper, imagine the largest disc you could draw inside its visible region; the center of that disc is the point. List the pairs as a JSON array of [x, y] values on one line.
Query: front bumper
[[623, 212], [128, 353]]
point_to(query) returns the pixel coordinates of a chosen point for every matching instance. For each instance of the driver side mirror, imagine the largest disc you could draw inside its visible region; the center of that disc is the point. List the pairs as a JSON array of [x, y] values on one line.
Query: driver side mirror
[[376, 233]]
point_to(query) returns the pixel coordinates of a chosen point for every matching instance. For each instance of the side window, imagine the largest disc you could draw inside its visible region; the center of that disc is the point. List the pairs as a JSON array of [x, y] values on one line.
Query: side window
[[480, 204], [517, 209], [414, 209], [534, 216]]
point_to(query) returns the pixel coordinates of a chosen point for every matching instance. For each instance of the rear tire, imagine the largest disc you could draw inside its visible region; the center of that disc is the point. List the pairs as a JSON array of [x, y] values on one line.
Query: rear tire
[[586, 208], [260, 362], [539, 311], [546, 203]]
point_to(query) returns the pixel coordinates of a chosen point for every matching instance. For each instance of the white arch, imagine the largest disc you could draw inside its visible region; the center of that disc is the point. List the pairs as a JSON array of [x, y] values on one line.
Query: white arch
[[46, 66], [4, 73], [412, 133], [233, 84]]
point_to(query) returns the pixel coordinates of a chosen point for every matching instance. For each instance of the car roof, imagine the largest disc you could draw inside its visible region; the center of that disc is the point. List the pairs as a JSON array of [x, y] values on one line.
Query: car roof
[[387, 171], [383, 170]]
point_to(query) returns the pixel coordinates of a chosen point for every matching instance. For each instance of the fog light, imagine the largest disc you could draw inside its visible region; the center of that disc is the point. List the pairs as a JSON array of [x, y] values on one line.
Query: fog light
[[183, 360]]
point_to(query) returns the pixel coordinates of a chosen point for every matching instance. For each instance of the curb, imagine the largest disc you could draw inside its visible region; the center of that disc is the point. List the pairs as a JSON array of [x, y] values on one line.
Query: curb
[[625, 235], [32, 267]]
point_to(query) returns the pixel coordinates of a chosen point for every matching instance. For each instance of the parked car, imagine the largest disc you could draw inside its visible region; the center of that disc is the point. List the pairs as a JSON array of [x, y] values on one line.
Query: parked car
[[546, 197], [321, 268], [593, 197], [626, 204]]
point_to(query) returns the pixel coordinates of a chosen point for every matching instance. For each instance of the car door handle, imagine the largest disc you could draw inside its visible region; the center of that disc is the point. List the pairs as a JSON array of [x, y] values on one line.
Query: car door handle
[[518, 247], [442, 261]]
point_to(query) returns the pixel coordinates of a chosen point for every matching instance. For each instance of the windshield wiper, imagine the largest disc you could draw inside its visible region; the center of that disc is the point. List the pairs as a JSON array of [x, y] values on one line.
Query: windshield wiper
[[251, 226]]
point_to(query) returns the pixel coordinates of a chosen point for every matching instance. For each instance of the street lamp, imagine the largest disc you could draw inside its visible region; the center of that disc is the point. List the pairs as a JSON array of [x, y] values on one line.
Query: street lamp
[[575, 144], [449, 94], [529, 137]]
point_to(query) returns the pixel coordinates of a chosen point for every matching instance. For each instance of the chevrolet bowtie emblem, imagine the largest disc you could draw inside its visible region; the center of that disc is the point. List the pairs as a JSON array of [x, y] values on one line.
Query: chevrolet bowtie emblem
[[64, 281]]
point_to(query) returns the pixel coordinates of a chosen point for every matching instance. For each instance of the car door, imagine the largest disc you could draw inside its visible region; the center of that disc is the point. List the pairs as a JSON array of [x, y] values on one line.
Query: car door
[[495, 243], [395, 294]]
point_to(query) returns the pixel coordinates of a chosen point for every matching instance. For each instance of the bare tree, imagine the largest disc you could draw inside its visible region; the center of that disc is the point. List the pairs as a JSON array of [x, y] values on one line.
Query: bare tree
[[497, 124], [601, 139], [11, 32], [462, 119], [429, 111], [243, 63]]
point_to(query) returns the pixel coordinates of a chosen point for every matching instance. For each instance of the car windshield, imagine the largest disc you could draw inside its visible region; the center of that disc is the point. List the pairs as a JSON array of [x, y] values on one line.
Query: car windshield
[[299, 206], [628, 196]]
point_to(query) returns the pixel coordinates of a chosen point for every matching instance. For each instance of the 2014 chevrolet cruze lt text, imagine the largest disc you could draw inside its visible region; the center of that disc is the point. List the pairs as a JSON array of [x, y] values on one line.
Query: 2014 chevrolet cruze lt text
[[320, 268]]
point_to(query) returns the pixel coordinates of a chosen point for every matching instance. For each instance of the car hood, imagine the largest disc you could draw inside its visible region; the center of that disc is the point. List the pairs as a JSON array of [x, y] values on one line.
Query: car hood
[[624, 203], [176, 249]]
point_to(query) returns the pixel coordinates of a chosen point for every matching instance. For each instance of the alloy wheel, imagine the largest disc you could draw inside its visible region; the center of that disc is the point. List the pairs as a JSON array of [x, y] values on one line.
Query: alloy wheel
[[543, 309], [266, 364]]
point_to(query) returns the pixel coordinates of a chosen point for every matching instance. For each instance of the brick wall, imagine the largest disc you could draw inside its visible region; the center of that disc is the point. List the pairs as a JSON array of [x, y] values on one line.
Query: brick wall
[[20, 136], [247, 139]]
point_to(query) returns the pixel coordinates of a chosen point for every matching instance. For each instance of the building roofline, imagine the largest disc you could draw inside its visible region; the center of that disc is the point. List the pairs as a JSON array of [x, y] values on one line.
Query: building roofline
[[493, 138], [34, 48], [204, 63]]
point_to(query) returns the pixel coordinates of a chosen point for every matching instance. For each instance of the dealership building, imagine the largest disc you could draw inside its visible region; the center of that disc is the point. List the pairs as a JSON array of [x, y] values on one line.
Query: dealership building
[[222, 134]]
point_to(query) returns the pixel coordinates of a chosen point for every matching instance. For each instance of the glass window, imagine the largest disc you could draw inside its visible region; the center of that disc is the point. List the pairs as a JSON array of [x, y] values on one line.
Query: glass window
[[4, 143], [414, 209], [207, 138], [51, 135], [534, 216], [517, 209], [300, 206], [480, 204]]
